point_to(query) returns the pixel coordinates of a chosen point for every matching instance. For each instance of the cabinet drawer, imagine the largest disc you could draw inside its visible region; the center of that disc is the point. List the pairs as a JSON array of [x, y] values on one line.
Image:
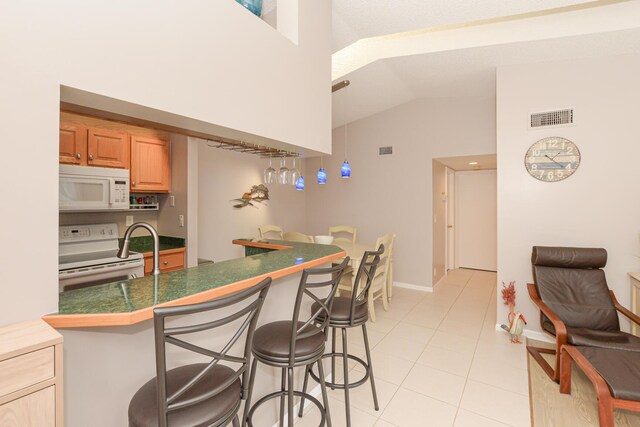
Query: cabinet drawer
[[25, 370], [169, 261]]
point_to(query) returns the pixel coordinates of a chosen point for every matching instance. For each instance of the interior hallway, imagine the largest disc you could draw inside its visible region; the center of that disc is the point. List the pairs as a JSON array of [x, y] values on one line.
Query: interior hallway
[[438, 361]]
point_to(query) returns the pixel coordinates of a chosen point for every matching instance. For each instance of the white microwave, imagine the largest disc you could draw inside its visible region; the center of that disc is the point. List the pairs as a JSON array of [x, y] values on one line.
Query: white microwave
[[88, 188]]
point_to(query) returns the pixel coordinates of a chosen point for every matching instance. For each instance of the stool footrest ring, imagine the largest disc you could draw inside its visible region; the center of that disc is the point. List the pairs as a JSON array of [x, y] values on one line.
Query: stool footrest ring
[[285, 393], [367, 372]]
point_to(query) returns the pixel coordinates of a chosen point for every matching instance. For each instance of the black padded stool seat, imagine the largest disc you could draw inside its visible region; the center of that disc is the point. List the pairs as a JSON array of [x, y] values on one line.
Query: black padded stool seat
[[271, 342], [341, 311], [143, 408], [619, 369]]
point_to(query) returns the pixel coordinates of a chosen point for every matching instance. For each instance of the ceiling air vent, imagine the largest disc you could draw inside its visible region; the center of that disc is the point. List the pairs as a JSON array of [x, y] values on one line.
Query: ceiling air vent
[[552, 118], [385, 150]]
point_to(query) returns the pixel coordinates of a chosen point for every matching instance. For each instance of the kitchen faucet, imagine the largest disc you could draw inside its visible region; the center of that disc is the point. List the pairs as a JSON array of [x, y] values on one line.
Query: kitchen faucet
[[124, 250]]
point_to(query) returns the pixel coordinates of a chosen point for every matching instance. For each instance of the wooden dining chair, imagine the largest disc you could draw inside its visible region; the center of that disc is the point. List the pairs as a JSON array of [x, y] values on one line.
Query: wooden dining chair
[[294, 236], [271, 232], [343, 233], [378, 288]]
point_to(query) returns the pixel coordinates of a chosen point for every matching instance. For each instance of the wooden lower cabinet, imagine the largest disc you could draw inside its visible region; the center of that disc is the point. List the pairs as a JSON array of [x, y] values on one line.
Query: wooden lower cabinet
[[31, 390], [170, 260]]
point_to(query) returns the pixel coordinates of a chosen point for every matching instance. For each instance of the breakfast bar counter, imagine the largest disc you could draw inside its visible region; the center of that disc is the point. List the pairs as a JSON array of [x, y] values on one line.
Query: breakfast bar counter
[[132, 301]]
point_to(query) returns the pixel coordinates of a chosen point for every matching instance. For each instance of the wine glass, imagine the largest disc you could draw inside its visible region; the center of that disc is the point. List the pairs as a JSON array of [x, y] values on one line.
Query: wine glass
[[269, 174], [283, 173], [294, 174]]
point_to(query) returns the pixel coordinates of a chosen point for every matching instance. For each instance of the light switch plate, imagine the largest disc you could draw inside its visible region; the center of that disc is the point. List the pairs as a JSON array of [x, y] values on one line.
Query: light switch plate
[[128, 220], [172, 200], [181, 220]]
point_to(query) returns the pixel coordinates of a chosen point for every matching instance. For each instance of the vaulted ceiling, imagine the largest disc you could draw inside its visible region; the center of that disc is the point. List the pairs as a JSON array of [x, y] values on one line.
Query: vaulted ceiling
[[372, 34]]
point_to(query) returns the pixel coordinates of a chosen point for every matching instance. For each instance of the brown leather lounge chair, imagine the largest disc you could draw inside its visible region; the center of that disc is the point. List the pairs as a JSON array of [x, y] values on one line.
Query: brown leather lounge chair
[[576, 305], [578, 308]]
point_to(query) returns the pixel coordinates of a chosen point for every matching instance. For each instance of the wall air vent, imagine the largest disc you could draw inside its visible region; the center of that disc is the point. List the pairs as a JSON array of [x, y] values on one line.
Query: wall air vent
[[552, 118], [385, 150]]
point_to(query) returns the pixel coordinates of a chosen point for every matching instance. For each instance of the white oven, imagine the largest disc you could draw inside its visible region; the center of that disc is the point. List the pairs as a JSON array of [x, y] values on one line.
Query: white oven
[[88, 188], [87, 257]]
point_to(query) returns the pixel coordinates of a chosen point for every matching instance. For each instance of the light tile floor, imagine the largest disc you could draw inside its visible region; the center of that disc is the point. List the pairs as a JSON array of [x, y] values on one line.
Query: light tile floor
[[438, 361]]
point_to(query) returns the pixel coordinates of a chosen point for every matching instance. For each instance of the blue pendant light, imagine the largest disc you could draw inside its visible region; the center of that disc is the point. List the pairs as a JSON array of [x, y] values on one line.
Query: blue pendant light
[[322, 174], [300, 183], [345, 170]]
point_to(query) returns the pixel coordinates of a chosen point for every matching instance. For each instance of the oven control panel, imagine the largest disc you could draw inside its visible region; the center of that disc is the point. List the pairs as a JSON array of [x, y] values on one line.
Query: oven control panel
[[78, 233]]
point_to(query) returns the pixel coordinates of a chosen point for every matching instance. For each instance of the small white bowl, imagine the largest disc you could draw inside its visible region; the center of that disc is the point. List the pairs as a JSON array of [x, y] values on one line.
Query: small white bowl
[[323, 240]]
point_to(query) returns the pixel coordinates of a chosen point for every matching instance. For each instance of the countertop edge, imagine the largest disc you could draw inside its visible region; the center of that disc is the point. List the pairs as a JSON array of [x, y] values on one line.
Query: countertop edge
[[60, 321]]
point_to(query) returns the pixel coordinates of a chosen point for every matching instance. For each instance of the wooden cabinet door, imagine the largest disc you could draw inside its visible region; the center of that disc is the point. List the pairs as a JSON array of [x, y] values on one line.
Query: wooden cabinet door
[[73, 144], [35, 409], [150, 165], [108, 148]]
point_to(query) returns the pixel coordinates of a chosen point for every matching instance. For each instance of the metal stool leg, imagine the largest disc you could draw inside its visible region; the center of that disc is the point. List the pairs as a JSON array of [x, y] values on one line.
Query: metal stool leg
[[247, 402], [304, 389], [345, 367], [333, 359], [370, 367], [283, 388], [290, 397], [325, 397]]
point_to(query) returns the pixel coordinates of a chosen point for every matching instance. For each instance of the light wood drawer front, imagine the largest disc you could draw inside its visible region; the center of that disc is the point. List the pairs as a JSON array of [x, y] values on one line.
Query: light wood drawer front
[[33, 410], [25, 370]]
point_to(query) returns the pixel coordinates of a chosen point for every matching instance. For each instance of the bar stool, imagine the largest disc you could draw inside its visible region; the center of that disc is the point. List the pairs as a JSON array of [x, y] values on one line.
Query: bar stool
[[350, 312], [291, 343], [202, 393]]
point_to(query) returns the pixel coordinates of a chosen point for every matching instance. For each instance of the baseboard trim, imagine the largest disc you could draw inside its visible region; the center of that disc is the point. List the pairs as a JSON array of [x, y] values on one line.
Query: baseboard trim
[[413, 287], [536, 335]]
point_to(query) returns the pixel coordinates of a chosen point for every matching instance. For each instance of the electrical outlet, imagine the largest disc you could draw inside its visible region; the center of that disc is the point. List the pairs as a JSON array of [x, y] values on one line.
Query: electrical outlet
[[128, 220], [181, 220], [172, 200]]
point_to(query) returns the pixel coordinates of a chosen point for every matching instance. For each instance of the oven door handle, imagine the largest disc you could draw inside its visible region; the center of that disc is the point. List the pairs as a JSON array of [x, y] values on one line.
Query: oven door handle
[[100, 269]]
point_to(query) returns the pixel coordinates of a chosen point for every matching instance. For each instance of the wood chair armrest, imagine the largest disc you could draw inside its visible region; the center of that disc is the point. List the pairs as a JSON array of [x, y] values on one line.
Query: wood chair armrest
[[558, 324], [625, 311]]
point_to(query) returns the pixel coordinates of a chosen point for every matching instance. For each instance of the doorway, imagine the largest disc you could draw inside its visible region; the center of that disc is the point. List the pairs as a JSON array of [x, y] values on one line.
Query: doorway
[[464, 214]]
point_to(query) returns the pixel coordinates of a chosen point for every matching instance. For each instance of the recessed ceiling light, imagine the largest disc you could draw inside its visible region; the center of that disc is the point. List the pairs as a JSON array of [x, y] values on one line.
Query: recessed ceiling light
[[473, 163]]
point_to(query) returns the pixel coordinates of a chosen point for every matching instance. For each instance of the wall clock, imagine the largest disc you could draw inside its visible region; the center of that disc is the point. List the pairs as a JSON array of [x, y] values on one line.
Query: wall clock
[[552, 159]]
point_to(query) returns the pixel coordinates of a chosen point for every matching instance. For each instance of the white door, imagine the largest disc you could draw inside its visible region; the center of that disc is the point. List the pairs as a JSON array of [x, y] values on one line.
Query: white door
[[476, 215]]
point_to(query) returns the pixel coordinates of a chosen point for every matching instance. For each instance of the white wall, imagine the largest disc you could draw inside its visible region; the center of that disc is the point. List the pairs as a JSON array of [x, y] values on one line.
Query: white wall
[[168, 221], [208, 60], [225, 175], [393, 193], [598, 206]]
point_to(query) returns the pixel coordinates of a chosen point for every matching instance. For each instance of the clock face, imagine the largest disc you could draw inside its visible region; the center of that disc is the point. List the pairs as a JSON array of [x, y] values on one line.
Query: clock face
[[552, 159]]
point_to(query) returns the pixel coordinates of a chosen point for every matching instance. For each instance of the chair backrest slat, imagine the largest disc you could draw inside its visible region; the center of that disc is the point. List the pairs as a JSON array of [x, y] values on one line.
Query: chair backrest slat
[[167, 335], [271, 231], [343, 233]]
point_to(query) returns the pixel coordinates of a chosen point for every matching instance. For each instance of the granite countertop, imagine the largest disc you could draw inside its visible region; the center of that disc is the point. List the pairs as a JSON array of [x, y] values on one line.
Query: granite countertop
[[145, 243], [131, 301]]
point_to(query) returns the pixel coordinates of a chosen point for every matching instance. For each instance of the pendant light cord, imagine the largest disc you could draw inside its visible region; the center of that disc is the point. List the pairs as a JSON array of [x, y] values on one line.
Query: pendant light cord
[[345, 123]]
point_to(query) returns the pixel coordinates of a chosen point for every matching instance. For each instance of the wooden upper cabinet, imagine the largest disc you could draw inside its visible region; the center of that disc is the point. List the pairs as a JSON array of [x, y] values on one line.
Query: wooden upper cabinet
[[108, 148], [150, 165], [73, 144]]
